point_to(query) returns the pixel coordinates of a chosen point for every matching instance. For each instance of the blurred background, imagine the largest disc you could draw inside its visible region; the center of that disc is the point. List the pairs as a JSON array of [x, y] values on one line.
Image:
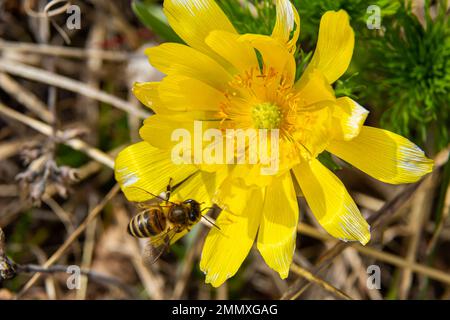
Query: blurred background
[[66, 109]]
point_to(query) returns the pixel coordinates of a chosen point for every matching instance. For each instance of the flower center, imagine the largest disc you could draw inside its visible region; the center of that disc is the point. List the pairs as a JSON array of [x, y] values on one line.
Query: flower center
[[266, 116]]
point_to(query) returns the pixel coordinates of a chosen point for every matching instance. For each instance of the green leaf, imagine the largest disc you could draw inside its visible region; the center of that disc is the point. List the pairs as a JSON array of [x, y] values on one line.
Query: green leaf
[[152, 17], [327, 160]]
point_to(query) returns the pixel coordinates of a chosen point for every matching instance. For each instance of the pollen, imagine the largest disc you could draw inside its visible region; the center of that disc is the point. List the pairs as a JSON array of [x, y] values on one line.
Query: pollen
[[266, 116]]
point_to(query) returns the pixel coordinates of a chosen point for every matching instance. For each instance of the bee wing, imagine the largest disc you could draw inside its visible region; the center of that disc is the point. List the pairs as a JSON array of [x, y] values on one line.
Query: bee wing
[[152, 253], [157, 245], [155, 202]]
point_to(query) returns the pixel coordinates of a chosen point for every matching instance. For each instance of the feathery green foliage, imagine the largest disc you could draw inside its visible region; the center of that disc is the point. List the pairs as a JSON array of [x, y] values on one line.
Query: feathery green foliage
[[410, 67]]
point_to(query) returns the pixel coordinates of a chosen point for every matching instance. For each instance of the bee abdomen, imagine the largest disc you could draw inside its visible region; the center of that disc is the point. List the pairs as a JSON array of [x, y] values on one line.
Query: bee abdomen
[[147, 224]]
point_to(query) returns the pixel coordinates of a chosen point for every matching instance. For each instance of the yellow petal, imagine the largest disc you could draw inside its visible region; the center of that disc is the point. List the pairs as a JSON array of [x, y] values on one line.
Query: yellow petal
[[274, 55], [174, 58], [313, 131], [147, 94], [251, 176], [349, 117], [330, 203], [313, 88], [160, 130], [278, 228], [193, 21], [143, 167], [180, 93], [335, 44], [225, 249], [201, 186], [287, 21], [238, 54], [232, 196], [384, 155]]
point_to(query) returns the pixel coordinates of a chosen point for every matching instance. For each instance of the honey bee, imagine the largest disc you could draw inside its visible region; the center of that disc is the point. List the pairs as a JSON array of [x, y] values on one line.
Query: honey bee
[[164, 222]]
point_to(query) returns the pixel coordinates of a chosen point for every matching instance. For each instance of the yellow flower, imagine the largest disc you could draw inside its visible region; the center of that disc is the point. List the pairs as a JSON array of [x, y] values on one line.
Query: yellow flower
[[228, 80]]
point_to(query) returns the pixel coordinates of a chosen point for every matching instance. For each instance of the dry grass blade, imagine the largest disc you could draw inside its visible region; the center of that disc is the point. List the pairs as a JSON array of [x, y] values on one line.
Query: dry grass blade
[[64, 52], [443, 207], [26, 97], [420, 211], [90, 274], [320, 282], [11, 148], [86, 261], [80, 229], [62, 82], [47, 12], [60, 212]]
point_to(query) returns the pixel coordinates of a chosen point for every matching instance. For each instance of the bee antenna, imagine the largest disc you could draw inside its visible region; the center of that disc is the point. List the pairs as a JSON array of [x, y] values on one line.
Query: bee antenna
[[207, 208], [153, 195], [211, 222]]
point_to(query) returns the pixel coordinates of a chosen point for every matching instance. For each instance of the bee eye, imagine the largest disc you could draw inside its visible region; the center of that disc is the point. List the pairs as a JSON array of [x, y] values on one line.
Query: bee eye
[[192, 216]]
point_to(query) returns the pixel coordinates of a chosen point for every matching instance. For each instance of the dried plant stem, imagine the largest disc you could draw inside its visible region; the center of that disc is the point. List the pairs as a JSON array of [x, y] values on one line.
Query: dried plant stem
[[91, 274], [49, 282], [360, 274], [443, 208], [88, 251], [62, 82], [419, 214], [366, 201], [439, 228], [43, 128], [11, 148], [64, 52], [25, 97], [89, 107], [222, 292], [9, 190], [60, 212], [62, 249], [320, 282], [47, 13]]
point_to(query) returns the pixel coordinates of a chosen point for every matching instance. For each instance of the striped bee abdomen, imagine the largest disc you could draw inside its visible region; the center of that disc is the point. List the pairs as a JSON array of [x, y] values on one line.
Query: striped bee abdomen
[[148, 223]]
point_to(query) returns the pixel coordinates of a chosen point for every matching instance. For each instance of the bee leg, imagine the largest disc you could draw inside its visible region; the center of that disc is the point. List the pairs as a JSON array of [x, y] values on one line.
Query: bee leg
[[169, 189]]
